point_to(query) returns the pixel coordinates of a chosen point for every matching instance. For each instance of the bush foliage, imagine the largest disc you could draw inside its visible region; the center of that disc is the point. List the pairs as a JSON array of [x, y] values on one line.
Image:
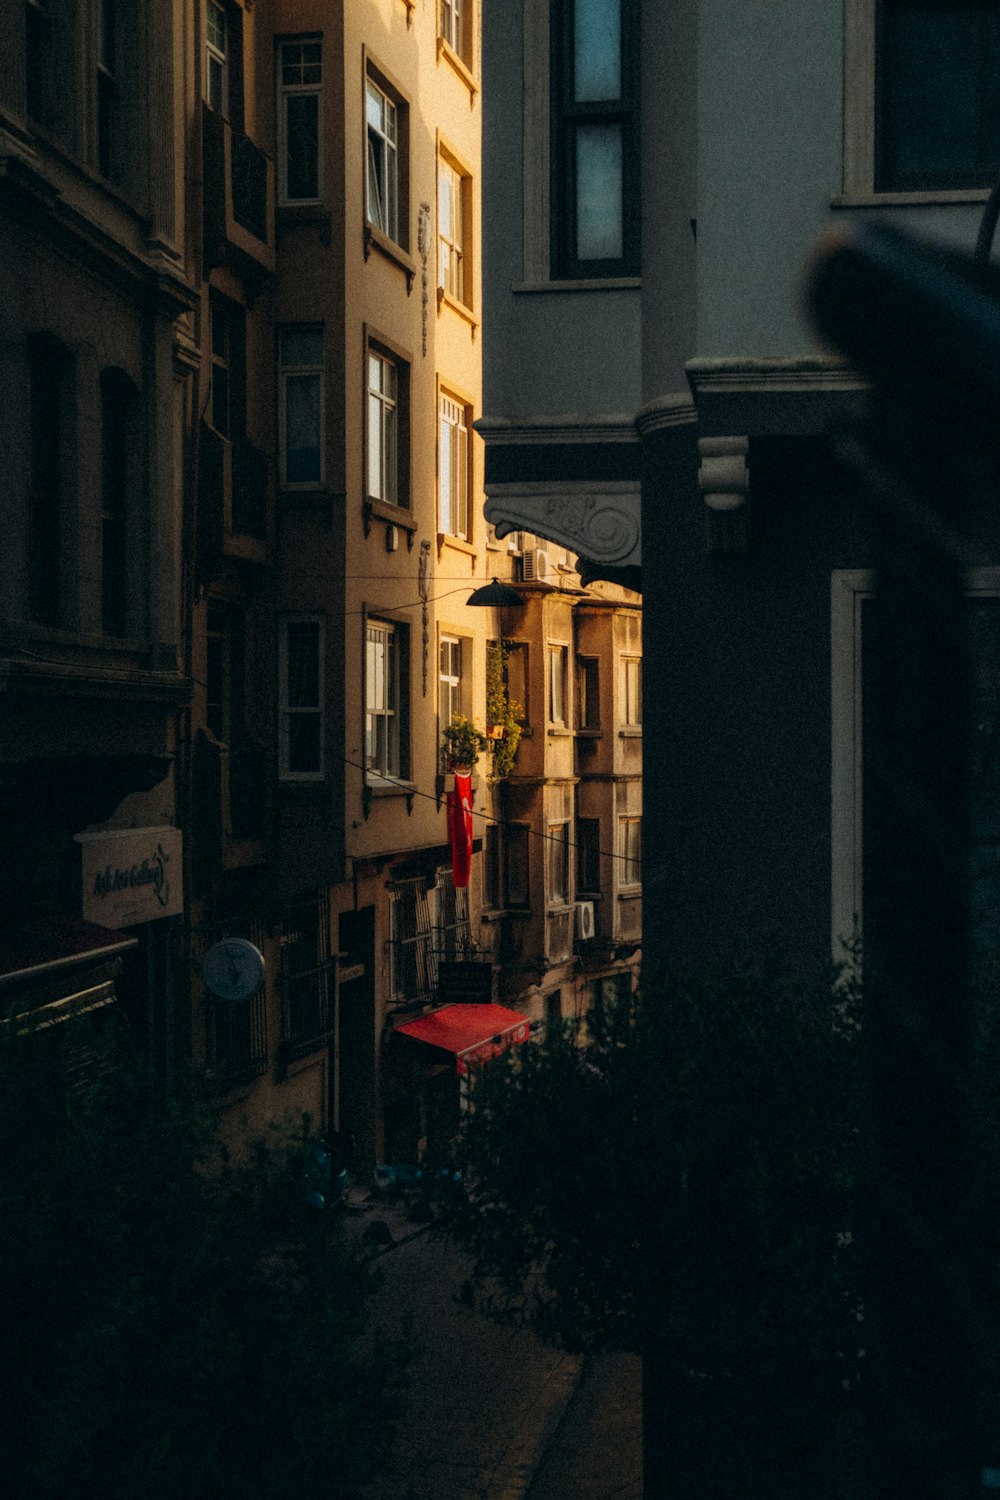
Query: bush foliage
[[681, 1181], [176, 1324]]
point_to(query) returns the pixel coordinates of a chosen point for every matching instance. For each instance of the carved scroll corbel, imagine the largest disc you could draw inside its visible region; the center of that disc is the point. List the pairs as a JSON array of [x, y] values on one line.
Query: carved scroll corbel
[[724, 483]]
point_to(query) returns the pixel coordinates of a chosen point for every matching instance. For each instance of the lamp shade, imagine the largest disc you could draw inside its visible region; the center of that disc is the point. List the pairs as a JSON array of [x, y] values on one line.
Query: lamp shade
[[495, 595]]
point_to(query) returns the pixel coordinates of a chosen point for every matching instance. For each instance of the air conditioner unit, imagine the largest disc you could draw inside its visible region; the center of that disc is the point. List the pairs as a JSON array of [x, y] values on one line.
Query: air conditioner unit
[[537, 565], [585, 928]]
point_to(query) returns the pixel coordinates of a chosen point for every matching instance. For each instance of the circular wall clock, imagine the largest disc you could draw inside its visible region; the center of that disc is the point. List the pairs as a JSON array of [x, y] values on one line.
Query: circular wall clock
[[233, 969]]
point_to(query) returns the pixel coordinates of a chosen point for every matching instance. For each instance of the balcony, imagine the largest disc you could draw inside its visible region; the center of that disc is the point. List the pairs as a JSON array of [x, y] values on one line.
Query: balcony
[[234, 503], [238, 202]]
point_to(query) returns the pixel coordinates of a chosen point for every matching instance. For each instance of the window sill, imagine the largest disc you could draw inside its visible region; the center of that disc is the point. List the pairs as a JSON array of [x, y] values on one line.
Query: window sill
[[377, 787], [445, 299], [634, 894], [377, 240], [456, 544], [396, 515], [631, 732], [607, 284], [910, 200], [590, 734], [555, 733], [447, 51]]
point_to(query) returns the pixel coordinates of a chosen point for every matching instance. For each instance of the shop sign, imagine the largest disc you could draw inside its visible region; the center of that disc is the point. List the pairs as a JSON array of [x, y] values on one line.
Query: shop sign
[[131, 875]]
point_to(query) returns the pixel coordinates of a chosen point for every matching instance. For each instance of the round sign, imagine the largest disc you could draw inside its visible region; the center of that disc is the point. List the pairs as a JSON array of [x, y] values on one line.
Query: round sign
[[233, 969]]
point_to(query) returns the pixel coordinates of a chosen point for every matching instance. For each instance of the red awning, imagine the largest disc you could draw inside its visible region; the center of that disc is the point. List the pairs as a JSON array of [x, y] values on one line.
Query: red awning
[[472, 1033]]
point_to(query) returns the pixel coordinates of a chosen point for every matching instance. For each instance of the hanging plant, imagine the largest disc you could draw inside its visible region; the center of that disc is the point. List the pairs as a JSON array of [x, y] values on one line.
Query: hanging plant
[[463, 741], [504, 715]]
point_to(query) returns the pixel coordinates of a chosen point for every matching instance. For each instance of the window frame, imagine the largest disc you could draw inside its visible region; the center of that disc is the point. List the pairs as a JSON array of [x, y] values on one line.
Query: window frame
[[287, 710], [568, 116], [376, 346], [219, 57], [458, 694], [631, 692], [297, 1036], [51, 398], [396, 237], [395, 765], [588, 693], [558, 882], [285, 92], [456, 415], [557, 686], [298, 371], [860, 144], [456, 31], [629, 858]]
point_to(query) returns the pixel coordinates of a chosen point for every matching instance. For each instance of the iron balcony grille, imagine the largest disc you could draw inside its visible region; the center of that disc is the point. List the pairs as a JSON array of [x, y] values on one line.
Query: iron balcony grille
[[236, 1033], [306, 978]]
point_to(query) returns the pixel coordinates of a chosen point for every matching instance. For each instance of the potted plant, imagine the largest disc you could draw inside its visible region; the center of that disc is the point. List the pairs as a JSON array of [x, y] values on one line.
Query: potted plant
[[504, 715], [463, 742]]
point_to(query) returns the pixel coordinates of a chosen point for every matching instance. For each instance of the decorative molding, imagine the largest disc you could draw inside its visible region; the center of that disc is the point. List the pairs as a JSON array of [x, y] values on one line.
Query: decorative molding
[[676, 410], [543, 431], [600, 521], [724, 481], [423, 246], [771, 375]]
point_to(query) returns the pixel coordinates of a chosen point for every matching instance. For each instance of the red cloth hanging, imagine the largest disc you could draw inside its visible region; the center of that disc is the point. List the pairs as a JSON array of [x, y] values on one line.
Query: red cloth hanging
[[460, 828]]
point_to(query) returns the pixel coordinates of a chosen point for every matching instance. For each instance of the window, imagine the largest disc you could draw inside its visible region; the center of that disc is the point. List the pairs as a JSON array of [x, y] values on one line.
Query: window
[[588, 854], [306, 1013], [383, 161], [632, 691], [505, 866], [453, 934], [453, 461], [217, 57], [630, 851], [595, 158], [454, 26], [454, 219], [108, 143], [413, 971], [557, 863], [119, 401], [937, 95], [385, 678], [588, 679], [387, 430], [558, 711], [49, 377], [300, 77], [301, 696], [36, 58], [301, 404], [453, 653]]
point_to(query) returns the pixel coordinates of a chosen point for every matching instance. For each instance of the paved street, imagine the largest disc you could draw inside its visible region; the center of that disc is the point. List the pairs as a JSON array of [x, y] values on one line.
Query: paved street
[[490, 1413]]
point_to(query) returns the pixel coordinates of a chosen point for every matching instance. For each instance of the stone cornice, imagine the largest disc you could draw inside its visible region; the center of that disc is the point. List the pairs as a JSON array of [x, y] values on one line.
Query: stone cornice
[[676, 410], [777, 374], [510, 431]]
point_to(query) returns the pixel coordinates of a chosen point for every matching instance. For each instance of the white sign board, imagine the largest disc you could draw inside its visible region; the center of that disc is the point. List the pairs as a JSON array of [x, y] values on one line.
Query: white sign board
[[131, 875]]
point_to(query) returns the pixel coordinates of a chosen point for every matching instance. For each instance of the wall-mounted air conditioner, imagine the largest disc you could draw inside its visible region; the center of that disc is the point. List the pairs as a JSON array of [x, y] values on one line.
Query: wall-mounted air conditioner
[[537, 565], [585, 928]]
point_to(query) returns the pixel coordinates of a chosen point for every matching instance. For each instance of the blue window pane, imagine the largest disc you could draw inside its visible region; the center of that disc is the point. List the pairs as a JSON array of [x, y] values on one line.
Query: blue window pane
[[597, 50], [599, 192]]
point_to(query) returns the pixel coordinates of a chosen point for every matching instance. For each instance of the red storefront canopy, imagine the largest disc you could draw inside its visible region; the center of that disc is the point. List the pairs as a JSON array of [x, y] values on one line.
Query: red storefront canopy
[[472, 1033]]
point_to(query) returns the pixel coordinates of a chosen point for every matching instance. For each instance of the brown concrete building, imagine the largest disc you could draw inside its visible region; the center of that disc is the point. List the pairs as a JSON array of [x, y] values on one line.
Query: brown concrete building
[[244, 336]]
